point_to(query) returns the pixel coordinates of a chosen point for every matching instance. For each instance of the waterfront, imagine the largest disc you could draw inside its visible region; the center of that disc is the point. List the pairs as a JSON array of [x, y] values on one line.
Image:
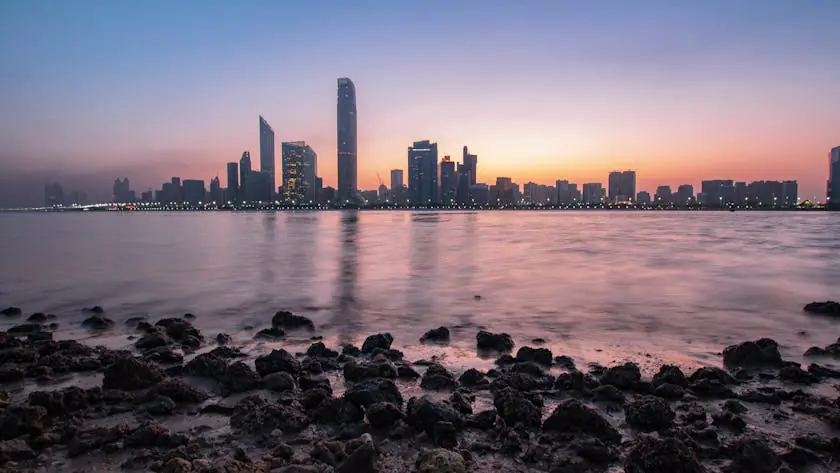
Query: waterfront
[[598, 286]]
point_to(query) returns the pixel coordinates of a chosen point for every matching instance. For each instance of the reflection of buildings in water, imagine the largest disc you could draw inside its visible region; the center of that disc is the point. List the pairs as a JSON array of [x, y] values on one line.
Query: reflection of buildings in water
[[266, 263], [347, 315], [422, 277], [297, 258]]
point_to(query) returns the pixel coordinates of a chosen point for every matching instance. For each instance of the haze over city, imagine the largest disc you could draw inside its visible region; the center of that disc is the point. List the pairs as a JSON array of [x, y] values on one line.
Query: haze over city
[[540, 90]]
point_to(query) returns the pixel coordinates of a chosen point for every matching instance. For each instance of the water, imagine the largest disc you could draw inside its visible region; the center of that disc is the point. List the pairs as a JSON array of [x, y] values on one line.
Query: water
[[600, 286]]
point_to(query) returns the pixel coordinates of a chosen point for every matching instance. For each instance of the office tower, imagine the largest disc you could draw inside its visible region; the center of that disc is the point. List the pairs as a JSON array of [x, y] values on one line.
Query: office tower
[[122, 191], [396, 178], [479, 194], [765, 193], [592, 193], [833, 188], [259, 186], [643, 198], [422, 173], [462, 193], [384, 195], [176, 192], [684, 195], [622, 186], [448, 181], [193, 191], [147, 196], [327, 195], [740, 194], [232, 182], [529, 192], [566, 192], [790, 194], [470, 164], [319, 185], [216, 190], [716, 192], [370, 197], [663, 195], [504, 192], [244, 177], [347, 158], [551, 195], [267, 152], [300, 170], [53, 194]]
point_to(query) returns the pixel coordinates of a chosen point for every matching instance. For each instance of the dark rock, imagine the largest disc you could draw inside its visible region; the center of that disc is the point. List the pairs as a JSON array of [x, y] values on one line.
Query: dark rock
[[622, 376], [505, 360], [277, 360], [571, 416], [485, 420], [178, 391], [21, 420], [362, 459], [500, 342], [26, 329], [383, 414], [350, 350], [154, 435], [711, 388], [15, 450], [39, 336], [356, 371], [752, 455], [279, 382], [97, 322], [387, 353], [314, 398], [670, 374], [312, 382], [473, 378], [440, 460], [380, 340], [609, 393], [513, 407], [8, 341], [337, 411], [461, 402], [163, 355], [223, 339], [37, 318], [208, 366], [226, 353], [763, 352], [445, 435], [564, 361], [693, 413], [795, 374], [160, 406], [661, 455], [130, 374], [541, 356], [712, 374], [239, 377], [272, 333], [424, 413], [437, 335], [438, 378], [406, 372], [152, 340], [648, 413], [761, 397], [254, 414], [823, 308], [575, 381], [289, 321], [318, 349], [66, 400], [331, 453], [730, 420], [11, 372], [822, 371], [10, 311], [669, 391], [734, 406], [371, 391]]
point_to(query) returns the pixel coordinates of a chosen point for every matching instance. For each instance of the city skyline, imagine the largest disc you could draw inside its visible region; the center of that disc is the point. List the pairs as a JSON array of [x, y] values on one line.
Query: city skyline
[[689, 101]]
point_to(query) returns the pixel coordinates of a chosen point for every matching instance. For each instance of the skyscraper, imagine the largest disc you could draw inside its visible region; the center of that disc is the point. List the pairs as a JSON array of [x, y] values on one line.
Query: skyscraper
[[833, 193], [233, 182], [193, 191], [663, 195], [592, 193], [300, 169], [422, 173], [684, 195], [215, 190], [470, 164], [622, 186], [244, 177], [267, 152], [448, 181], [790, 194], [396, 179], [53, 194], [347, 158]]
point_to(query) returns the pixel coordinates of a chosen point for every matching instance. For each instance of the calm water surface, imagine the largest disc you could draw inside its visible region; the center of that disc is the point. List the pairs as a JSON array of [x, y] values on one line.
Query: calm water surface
[[599, 286]]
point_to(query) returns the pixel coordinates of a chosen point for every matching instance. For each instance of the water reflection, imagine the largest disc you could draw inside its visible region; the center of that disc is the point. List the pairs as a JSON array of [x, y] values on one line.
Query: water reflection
[[423, 276], [347, 314]]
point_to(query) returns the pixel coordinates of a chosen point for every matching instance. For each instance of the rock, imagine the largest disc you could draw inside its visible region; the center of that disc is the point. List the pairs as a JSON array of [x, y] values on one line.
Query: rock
[[207, 366], [95, 309], [380, 340], [440, 460], [15, 450], [181, 331], [371, 391], [445, 435], [98, 322], [438, 378], [711, 388], [795, 374], [752, 455], [388, 353], [272, 333], [822, 371], [130, 374], [312, 382], [21, 420], [761, 397], [331, 453], [254, 414], [565, 362], [277, 360], [648, 413], [734, 406], [11, 311], [485, 420], [177, 465], [320, 350], [714, 374], [609, 393], [152, 340], [337, 411], [11, 372], [571, 416], [424, 413], [239, 377], [763, 352], [514, 408], [406, 372], [296, 468], [362, 459], [153, 434], [350, 350], [473, 378], [831, 308], [670, 374], [729, 419], [290, 321], [541, 356], [223, 339], [622, 376], [661, 455], [314, 398], [163, 355], [37, 318], [383, 414], [669, 391], [575, 381], [461, 402], [505, 359], [63, 401], [26, 329], [382, 368], [437, 335], [500, 342], [279, 382], [160, 406], [178, 391]]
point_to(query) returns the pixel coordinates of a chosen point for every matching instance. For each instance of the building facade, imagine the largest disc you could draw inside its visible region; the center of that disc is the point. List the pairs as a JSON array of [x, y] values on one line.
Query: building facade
[[232, 182], [470, 164], [347, 133], [593, 193], [244, 176], [833, 191], [448, 181], [622, 186], [684, 195], [193, 191], [663, 195], [267, 151], [422, 173], [300, 170], [397, 179]]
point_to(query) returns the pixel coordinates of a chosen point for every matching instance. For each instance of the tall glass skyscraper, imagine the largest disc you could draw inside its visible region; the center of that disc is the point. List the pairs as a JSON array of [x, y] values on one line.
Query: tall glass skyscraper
[[233, 182], [245, 194], [267, 152], [347, 158], [422, 173], [834, 177], [300, 168]]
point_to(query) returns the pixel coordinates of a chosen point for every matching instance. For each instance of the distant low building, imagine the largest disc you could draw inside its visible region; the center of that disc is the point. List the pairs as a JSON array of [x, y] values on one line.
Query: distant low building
[[643, 198]]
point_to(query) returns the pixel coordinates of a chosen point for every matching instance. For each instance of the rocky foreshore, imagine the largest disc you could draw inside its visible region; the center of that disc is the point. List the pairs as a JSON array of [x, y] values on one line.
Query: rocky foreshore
[[183, 401]]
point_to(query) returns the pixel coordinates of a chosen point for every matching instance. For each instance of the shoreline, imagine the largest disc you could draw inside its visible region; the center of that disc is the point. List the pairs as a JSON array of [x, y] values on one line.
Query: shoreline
[[182, 400]]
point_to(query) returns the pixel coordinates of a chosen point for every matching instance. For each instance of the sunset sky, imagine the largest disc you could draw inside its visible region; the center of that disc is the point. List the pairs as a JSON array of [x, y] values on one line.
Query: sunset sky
[[541, 90]]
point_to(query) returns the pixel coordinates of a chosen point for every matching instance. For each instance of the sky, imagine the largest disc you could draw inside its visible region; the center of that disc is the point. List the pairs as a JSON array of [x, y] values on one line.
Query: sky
[[540, 90]]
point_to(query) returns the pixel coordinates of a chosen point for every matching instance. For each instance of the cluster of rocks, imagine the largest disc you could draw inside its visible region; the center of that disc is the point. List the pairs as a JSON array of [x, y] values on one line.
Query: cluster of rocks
[[286, 415]]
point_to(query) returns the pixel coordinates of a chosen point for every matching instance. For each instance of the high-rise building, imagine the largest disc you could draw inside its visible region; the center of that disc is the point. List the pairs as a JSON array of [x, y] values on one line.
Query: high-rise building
[[504, 192], [384, 195], [462, 193], [216, 190], [347, 157], [193, 191], [790, 194], [300, 170], [175, 193], [232, 182], [684, 195], [740, 193], [717, 192], [122, 191], [479, 194], [663, 195], [567, 193], [147, 196], [530, 193], [622, 186], [244, 177], [643, 198], [267, 152], [396, 179], [422, 173], [53, 194], [833, 191], [592, 193], [448, 181], [470, 164]]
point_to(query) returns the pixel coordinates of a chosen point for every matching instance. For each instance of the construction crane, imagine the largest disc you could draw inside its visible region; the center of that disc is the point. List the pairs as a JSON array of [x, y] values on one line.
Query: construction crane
[[380, 179]]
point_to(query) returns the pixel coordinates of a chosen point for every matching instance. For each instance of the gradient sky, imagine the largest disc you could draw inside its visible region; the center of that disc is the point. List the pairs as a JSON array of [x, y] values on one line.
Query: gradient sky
[[541, 90]]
